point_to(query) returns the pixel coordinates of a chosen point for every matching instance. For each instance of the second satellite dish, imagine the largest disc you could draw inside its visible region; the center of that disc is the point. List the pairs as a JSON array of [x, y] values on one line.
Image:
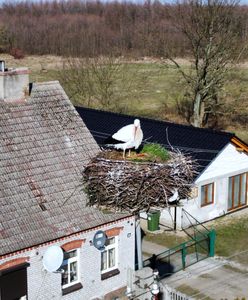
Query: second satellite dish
[[53, 258], [99, 239]]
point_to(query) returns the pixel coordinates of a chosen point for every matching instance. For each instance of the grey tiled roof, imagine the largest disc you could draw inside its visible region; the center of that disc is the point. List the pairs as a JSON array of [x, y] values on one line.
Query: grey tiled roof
[[44, 147]]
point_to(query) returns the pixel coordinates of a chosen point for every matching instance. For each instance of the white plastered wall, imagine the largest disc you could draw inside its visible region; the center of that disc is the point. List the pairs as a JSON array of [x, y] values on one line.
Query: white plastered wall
[[44, 285], [229, 162]]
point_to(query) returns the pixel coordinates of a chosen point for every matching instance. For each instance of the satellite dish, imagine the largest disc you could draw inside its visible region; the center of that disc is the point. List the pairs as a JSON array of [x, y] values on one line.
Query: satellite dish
[[99, 239], [53, 258]]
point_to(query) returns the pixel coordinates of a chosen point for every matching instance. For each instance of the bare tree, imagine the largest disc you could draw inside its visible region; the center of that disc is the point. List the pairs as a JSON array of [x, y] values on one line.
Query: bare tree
[[87, 28], [6, 40], [212, 30], [103, 82]]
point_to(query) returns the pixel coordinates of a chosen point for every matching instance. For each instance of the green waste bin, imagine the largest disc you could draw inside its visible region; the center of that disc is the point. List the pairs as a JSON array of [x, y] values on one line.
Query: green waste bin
[[153, 220]]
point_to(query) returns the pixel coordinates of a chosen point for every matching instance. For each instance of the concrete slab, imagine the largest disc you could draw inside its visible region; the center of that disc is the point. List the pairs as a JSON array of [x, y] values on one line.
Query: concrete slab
[[211, 279]]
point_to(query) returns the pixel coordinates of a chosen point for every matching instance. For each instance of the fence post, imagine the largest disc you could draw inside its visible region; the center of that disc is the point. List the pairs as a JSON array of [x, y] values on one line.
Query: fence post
[[184, 253], [212, 238]]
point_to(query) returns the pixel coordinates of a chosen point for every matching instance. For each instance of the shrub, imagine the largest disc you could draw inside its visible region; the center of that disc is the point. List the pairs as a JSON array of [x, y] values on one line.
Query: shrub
[[17, 53]]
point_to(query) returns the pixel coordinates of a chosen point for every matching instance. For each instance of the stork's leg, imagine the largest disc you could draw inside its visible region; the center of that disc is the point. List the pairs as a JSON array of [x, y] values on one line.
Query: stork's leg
[[129, 152], [124, 154]]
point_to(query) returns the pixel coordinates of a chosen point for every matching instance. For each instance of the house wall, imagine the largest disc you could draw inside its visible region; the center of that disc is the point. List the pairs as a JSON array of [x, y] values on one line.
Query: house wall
[[229, 162], [45, 285]]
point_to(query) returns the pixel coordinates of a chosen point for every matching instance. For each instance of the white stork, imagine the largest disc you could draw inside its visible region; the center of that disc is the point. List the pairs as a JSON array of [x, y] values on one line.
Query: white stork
[[130, 135]]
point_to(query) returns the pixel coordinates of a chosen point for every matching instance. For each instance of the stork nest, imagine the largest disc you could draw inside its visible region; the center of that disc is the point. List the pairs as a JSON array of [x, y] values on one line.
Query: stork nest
[[121, 185]]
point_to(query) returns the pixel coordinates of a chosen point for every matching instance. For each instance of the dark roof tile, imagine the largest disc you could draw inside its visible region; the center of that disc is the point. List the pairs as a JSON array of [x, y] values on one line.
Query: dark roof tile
[[202, 144]]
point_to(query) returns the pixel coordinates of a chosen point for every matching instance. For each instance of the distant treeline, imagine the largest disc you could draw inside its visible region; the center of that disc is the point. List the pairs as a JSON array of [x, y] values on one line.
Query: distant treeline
[[88, 28]]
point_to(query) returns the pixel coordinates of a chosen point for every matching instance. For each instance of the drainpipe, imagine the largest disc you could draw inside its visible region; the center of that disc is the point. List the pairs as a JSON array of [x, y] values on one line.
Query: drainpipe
[[175, 219], [138, 244]]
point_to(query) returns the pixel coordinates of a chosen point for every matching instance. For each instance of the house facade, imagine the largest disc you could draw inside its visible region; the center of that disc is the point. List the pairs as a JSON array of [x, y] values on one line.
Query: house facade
[[220, 189], [44, 148], [220, 186], [88, 272]]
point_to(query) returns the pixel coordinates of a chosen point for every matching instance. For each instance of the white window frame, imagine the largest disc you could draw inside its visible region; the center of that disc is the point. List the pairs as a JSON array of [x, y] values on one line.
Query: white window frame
[[70, 261], [107, 248]]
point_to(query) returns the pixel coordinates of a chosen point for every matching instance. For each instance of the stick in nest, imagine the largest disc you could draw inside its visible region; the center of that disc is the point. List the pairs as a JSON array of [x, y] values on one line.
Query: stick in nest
[[132, 186]]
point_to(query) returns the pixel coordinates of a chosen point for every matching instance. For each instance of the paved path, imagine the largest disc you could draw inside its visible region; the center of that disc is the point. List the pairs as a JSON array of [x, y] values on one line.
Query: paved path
[[152, 248], [212, 279]]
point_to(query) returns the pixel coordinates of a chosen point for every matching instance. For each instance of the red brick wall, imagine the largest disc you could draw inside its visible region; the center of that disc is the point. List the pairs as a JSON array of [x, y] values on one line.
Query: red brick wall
[[13, 262], [73, 245]]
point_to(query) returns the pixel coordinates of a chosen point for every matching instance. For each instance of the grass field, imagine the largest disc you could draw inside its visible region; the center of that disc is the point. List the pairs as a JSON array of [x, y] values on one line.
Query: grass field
[[232, 239], [154, 90], [167, 239]]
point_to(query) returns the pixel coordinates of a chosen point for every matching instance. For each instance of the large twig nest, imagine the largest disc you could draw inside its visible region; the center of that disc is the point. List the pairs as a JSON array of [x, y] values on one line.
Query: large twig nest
[[122, 185]]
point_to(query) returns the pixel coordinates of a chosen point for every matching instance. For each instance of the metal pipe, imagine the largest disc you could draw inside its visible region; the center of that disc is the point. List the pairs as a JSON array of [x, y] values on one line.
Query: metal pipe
[[138, 244], [175, 218]]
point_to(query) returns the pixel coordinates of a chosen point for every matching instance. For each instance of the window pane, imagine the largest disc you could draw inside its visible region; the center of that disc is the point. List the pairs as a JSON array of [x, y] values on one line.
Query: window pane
[[230, 189], [209, 193], [110, 241], [65, 277], [111, 258], [73, 271], [243, 189], [203, 188], [72, 254], [236, 190], [104, 260]]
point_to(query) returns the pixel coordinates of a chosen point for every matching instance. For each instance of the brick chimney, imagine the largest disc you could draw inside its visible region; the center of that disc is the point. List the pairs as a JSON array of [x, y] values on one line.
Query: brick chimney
[[14, 83]]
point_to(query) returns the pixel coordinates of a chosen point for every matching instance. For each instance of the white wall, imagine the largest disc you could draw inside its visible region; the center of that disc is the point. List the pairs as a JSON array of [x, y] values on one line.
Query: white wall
[[45, 285], [229, 162]]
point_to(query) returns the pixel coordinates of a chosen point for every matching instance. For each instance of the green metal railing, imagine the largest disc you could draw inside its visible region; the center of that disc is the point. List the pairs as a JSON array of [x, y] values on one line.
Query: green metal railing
[[192, 227], [200, 246]]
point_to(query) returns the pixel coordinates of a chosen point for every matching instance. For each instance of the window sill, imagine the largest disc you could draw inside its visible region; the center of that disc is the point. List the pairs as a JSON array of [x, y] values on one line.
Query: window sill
[[206, 204], [232, 209], [72, 288], [110, 274]]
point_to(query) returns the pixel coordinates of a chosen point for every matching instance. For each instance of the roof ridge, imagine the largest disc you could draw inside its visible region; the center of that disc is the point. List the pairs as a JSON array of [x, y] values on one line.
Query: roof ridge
[[47, 82]]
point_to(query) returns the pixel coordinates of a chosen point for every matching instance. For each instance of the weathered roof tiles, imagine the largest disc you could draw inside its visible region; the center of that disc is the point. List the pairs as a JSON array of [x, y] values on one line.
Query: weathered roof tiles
[[44, 147]]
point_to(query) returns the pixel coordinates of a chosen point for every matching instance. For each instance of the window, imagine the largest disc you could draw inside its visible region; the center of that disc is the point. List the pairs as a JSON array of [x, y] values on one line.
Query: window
[[70, 267], [13, 284], [237, 191], [109, 255], [207, 194]]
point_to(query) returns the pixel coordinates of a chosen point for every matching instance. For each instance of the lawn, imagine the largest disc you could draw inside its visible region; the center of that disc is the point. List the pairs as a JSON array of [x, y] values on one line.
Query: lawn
[[153, 89], [232, 238], [167, 239]]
